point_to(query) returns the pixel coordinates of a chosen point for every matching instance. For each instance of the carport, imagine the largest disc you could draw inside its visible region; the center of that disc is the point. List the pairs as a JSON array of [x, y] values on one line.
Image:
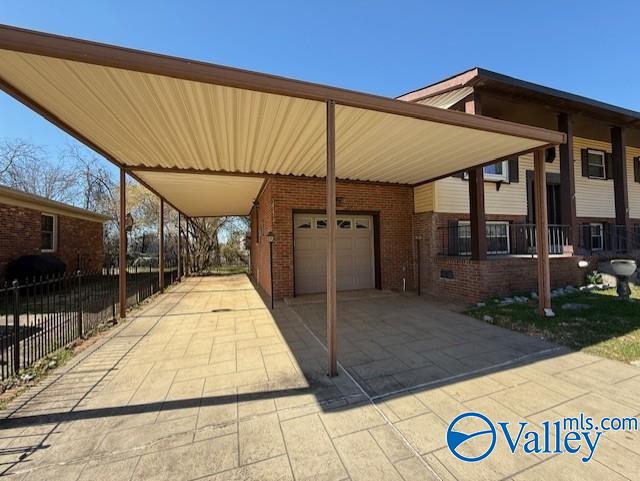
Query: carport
[[204, 137]]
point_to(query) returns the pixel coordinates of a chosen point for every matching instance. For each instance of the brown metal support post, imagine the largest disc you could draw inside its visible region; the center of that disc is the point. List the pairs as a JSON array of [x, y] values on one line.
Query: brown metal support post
[[179, 246], [542, 235], [567, 181], [418, 266], [161, 246], [122, 254], [331, 239], [620, 187], [478, 219]]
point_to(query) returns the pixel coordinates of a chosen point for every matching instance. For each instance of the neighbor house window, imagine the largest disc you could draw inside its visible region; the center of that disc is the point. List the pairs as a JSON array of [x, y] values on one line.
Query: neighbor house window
[[597, 237], [497, 237], [596, 162], [48, 229], [495, 172]]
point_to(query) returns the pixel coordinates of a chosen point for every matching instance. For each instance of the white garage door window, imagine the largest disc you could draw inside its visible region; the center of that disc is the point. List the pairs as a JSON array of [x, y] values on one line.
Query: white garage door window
[[355, 257]]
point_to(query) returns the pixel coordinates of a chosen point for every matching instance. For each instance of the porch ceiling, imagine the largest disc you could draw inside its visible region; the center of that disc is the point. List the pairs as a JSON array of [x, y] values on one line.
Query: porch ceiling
[[188, 120]]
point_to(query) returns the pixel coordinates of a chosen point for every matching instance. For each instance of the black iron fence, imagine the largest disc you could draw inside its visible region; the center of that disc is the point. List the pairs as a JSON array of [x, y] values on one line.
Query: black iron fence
[[42, 315], [503, 238]]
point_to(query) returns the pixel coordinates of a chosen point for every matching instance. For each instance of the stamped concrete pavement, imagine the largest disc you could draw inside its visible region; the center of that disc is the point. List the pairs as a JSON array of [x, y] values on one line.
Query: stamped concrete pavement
[[205, 382]]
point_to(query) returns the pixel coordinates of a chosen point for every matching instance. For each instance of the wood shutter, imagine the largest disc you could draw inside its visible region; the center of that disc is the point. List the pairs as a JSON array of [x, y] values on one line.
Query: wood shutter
[[586, 235], [453, 238], [584, 157], [608, 165], [514, 171], [607, 232], [636, 169]]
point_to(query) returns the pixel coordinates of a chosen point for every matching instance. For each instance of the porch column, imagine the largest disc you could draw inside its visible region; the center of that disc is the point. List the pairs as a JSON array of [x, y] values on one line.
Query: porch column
[[567, 181], [331, 239], [179, 259], [542, 235], [122, 252], [620, 187], [478, 220], [161, 245]]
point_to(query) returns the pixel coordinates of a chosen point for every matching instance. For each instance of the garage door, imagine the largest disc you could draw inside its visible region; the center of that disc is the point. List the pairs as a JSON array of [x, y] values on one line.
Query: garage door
[[355, 256]]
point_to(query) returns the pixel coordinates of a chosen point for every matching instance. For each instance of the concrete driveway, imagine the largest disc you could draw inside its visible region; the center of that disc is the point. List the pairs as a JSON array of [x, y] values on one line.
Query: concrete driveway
[[205, 382]]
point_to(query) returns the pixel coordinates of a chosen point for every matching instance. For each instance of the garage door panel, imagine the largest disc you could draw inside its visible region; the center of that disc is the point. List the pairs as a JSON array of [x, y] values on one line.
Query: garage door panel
[[354, 253]]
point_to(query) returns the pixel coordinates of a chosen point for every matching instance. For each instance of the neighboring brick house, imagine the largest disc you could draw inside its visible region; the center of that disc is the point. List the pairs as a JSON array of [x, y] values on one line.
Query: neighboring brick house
[[593, 201], [36, 225]]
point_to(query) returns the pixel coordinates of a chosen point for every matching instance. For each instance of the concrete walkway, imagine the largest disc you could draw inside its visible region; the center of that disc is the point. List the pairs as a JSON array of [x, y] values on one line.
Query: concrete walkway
[[206, 383]]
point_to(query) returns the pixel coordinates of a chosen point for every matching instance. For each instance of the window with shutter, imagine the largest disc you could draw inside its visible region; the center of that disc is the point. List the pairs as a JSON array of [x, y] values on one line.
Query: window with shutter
[[594, 164]]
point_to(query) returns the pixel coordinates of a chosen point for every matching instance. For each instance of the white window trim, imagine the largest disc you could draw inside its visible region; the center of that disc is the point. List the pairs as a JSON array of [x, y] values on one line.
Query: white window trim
[[603, 156], [504, 177], [491, 222], [597, 224], [55, 233]]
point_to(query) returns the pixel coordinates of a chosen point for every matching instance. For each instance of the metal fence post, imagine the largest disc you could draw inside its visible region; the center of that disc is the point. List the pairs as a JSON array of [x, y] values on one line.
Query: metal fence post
[[16, 326], [79, 304]]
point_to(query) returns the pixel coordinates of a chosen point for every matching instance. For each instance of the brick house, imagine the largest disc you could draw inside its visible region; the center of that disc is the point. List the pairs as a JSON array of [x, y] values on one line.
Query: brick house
[[393, 236], [36, 225]]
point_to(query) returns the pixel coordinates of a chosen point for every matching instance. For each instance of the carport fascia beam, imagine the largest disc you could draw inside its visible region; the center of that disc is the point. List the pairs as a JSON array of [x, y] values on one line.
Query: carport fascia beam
[[49, 45]]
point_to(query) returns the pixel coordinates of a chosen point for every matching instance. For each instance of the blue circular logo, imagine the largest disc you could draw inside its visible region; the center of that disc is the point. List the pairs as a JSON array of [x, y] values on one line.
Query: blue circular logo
[[459, 440]]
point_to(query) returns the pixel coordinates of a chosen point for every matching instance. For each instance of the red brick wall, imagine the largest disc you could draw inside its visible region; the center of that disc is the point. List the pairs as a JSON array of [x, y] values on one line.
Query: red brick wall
[[261, 224], [284, 195], [20, 235], [80, 239]]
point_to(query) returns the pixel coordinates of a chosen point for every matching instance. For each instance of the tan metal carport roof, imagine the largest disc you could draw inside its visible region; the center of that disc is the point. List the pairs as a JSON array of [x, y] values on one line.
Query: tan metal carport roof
[[174, 123]]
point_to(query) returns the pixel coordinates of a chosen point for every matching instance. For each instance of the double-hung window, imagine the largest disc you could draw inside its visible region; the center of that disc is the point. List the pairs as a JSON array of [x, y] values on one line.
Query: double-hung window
[[495, 172], [498, 171], [48, 233], [597, 164], [597, 237], [497, 237]]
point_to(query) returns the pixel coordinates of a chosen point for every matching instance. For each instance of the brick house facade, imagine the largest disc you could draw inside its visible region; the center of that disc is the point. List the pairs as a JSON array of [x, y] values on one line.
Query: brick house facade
[[592, 216], [78, 236]]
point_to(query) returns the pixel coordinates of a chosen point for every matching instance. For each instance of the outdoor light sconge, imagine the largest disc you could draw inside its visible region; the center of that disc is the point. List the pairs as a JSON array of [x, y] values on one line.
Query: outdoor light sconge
[[270, 236]]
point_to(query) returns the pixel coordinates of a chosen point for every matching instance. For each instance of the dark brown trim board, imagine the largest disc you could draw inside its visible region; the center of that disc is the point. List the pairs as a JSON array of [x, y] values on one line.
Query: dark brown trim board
[[45, 44]]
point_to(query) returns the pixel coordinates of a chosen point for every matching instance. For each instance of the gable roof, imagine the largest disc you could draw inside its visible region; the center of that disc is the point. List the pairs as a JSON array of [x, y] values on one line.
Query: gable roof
[[493, 80], [10, 196]]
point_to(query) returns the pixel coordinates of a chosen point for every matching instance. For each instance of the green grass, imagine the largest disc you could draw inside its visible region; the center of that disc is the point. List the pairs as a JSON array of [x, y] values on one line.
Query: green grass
[[609, 327]]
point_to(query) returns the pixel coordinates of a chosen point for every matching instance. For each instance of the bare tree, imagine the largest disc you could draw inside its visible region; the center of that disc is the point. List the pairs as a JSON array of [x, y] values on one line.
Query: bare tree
[[25, 167]]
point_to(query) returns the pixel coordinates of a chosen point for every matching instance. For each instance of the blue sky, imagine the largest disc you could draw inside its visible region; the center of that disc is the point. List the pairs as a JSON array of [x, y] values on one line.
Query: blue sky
[[384, 47]]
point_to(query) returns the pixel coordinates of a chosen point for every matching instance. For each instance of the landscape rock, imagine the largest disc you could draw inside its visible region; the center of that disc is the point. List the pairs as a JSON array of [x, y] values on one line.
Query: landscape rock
[[487, 318], [534, 295], [480, 304], [549, 313], [574, 306]]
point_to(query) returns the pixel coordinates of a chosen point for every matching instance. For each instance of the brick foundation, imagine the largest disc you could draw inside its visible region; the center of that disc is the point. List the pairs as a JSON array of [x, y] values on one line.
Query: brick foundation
[[460, 278]]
